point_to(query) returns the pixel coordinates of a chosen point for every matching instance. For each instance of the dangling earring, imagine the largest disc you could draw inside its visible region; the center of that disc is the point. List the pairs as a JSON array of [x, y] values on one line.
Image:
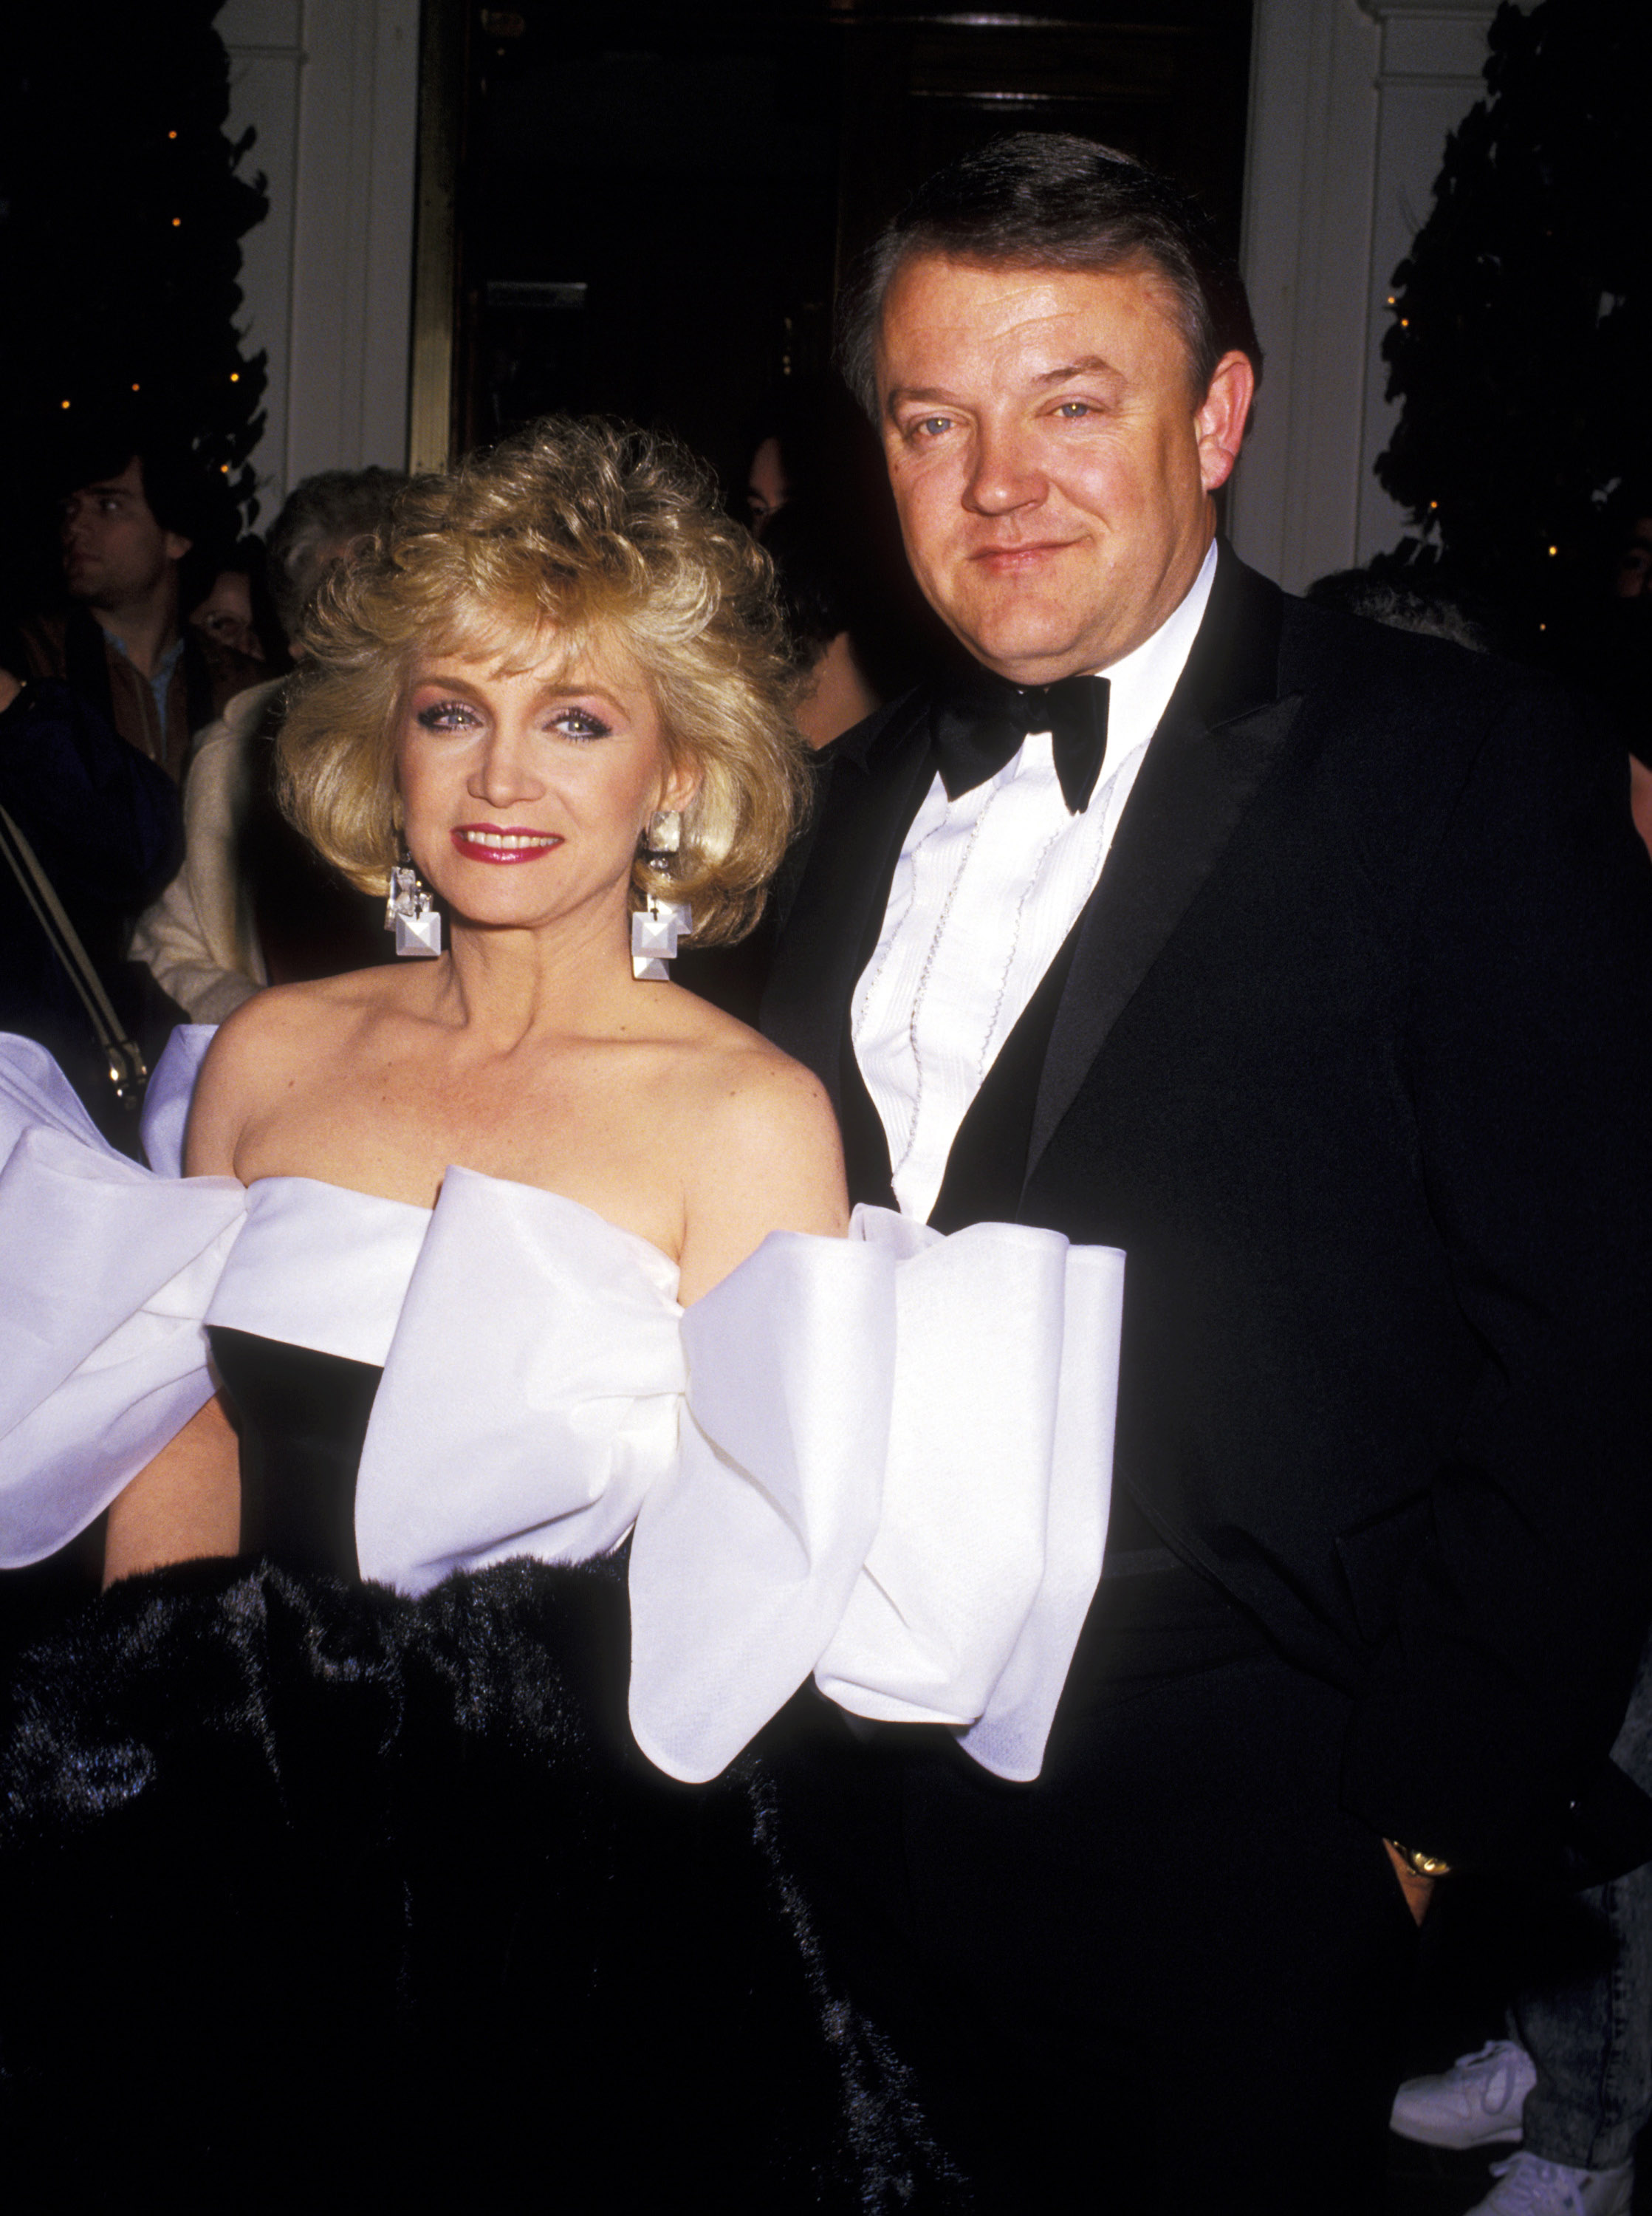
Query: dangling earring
[[409, 913], [656, 928]]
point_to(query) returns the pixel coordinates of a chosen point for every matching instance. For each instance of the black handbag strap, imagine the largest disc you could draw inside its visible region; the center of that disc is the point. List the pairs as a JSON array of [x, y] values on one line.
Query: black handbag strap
[[128, 1073]]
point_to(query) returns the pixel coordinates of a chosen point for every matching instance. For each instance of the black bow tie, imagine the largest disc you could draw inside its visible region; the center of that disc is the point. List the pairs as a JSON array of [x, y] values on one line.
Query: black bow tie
[[978, 728]]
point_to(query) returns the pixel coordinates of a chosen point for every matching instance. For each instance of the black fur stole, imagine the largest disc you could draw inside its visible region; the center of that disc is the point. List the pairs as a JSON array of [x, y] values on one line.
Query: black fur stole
[[312, 1896]]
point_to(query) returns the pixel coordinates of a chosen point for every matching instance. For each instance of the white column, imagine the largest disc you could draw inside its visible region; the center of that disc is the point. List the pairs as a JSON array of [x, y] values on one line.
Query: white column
[[331, 88], [1351, 104]]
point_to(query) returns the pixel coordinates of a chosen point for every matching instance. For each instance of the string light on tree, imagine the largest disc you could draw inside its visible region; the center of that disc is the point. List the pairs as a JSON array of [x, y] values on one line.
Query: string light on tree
[[1538, 217], [90, 157]]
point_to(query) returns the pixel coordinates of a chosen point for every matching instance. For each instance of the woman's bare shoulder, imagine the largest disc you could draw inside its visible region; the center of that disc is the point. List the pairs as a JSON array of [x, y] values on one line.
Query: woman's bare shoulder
[[304, 1018], [760, 1153], [278, 1039], [739, 1077], [762, 1125]]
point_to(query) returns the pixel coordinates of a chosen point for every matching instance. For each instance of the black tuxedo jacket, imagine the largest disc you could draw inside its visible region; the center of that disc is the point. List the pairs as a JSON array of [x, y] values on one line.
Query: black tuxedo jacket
[[1351, 1053]]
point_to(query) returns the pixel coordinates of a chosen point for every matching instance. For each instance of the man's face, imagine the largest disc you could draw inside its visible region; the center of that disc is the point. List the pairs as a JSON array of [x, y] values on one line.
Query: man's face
[[115, 553], [1050, 462]]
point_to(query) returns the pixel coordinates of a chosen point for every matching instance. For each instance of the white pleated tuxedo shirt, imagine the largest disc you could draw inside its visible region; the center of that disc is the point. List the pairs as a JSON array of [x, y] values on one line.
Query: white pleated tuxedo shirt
[[984, 893]]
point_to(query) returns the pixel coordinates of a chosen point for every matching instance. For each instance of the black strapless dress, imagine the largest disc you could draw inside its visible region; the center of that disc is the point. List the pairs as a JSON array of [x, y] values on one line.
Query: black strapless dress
[[314, 1896]]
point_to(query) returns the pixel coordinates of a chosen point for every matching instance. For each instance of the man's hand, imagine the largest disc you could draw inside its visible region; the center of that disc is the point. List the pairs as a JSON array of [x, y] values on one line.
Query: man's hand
[[1418, 1891]]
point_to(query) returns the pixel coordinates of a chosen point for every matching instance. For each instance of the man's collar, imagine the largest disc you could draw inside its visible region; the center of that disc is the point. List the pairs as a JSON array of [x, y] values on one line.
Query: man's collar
[[1232, 667], [1172, 643], [165, 663]]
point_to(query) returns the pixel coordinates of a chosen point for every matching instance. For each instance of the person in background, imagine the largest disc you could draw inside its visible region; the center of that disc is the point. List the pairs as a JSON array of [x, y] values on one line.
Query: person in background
[[768, 487], [1633, 576], [1570, 2085], [139, 524], [818, 500], [1621, 654], [238, 611], [858, 631], [1432, 610], [232, 918], [322, 518], [814, 573]]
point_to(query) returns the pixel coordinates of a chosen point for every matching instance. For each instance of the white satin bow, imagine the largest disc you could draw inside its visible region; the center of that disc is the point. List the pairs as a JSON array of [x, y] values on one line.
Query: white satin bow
[[884, 1460]]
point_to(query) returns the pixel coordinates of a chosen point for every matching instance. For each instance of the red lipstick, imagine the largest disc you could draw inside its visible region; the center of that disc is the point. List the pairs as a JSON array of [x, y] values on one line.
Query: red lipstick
[[499, 844]]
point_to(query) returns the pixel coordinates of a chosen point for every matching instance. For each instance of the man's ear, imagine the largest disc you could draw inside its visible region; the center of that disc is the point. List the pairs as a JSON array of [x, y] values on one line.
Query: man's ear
[[1220, 422], [176, 545]]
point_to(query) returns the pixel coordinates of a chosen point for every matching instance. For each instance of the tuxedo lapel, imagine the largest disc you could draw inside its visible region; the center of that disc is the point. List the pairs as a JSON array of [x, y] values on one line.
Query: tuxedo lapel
[[879, 776], [1216, 744], [987, 1163]]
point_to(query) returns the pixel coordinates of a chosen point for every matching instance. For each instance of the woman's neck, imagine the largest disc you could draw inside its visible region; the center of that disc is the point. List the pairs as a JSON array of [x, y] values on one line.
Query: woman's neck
[[571, 978]]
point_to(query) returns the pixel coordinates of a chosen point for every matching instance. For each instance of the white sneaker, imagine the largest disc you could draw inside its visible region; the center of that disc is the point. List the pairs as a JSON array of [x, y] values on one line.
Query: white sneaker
[[1475, 2104], [1527, 2186]]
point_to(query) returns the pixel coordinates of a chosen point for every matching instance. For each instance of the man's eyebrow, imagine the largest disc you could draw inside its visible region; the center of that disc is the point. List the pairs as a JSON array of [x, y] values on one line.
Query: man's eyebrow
[[902, 392], [1086, 366]]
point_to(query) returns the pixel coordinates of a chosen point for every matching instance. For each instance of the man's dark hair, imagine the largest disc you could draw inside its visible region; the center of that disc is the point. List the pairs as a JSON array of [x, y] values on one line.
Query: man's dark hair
[[1042, 200], [185, 494]]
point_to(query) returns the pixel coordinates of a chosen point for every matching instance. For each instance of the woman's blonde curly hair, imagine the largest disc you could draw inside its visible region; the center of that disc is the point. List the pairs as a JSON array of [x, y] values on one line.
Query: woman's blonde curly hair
[[605, 536]]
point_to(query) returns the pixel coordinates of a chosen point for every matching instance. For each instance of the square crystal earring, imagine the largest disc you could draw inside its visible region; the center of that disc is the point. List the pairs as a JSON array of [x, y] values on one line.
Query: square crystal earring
[[656, 928], [655, 931], [409, 911]]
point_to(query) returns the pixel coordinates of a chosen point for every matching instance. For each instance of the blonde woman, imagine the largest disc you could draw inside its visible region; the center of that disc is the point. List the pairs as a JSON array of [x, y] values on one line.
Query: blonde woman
[[511, 1257], [548, 654]]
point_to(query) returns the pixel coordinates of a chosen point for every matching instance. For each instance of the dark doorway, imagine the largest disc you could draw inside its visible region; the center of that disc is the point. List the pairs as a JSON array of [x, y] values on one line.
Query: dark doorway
[[652, 205]]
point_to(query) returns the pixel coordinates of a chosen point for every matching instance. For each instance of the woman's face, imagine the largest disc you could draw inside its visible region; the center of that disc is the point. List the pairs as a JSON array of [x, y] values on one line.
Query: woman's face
[[524, 794]]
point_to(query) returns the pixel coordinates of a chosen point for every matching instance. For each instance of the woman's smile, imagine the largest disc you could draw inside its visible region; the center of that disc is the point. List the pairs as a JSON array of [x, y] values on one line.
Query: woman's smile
[[491, 843]]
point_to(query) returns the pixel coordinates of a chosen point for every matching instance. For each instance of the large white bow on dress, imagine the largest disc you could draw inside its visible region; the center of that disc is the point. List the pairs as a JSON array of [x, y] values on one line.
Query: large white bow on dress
[[105, 1273], [884, 1460]]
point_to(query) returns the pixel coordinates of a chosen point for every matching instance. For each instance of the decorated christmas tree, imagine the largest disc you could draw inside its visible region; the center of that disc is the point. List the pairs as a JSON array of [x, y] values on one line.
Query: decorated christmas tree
[[122, 206], [1521, 342]]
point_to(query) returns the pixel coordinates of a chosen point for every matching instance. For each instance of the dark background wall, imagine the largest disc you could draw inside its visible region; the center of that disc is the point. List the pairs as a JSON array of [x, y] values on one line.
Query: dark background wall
[[651, 207]]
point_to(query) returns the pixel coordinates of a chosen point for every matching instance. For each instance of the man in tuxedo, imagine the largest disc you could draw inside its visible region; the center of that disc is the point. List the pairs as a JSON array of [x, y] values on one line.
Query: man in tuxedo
[[1308, 963]]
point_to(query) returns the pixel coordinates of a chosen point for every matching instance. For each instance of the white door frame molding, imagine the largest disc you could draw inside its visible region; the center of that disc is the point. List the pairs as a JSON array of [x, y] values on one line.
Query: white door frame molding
[[330, 87], [1351, 102]]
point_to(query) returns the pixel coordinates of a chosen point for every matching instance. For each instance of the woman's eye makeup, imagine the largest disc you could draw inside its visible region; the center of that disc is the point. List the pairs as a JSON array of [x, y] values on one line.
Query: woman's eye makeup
[[580, 724], [574, 720], [444, 716]]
